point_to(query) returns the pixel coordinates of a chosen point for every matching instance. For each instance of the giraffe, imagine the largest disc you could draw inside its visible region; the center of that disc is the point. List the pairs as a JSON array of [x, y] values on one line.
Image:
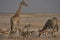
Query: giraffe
[[15, 19], [51, 27]]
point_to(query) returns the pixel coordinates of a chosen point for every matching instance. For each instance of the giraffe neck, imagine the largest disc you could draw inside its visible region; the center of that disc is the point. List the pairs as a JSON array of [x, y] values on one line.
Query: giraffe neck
[[19, 10]]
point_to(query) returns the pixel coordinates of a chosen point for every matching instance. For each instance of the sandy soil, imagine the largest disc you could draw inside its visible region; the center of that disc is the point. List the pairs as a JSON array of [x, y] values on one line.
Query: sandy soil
[[36, 21]]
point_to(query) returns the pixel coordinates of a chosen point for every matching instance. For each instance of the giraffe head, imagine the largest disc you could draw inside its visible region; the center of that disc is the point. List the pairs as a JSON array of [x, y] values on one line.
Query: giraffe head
[[24, 3]]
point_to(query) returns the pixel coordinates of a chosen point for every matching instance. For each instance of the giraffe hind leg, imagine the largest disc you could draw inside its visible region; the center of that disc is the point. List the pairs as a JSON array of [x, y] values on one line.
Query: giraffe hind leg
[[11, 26]]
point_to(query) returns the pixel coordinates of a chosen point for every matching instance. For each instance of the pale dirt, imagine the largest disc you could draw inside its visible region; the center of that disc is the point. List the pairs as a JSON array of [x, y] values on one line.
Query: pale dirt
[[36, 21]]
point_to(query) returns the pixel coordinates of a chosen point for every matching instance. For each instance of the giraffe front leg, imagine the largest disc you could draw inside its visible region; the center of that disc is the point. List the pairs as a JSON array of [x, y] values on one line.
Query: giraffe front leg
[[18, 25], [16, 28]]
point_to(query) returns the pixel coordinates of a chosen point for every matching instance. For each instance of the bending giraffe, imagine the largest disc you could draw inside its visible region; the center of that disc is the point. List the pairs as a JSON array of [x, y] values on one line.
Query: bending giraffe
[[15, 20], [51, 26]]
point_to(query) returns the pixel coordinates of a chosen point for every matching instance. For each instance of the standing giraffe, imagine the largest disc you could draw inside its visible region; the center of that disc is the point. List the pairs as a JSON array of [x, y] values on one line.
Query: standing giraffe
[[15, 20]]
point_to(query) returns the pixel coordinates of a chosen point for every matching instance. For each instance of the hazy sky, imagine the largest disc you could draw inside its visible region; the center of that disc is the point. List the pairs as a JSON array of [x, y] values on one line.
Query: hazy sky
[[40, 6]]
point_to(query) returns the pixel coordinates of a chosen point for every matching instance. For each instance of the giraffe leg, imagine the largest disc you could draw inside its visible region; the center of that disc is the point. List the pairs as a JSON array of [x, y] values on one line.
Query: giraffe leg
[[12, 26], [18, 24]]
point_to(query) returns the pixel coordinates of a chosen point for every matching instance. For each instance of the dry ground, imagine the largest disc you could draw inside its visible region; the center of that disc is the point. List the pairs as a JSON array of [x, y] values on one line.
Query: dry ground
[[35, 20]]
